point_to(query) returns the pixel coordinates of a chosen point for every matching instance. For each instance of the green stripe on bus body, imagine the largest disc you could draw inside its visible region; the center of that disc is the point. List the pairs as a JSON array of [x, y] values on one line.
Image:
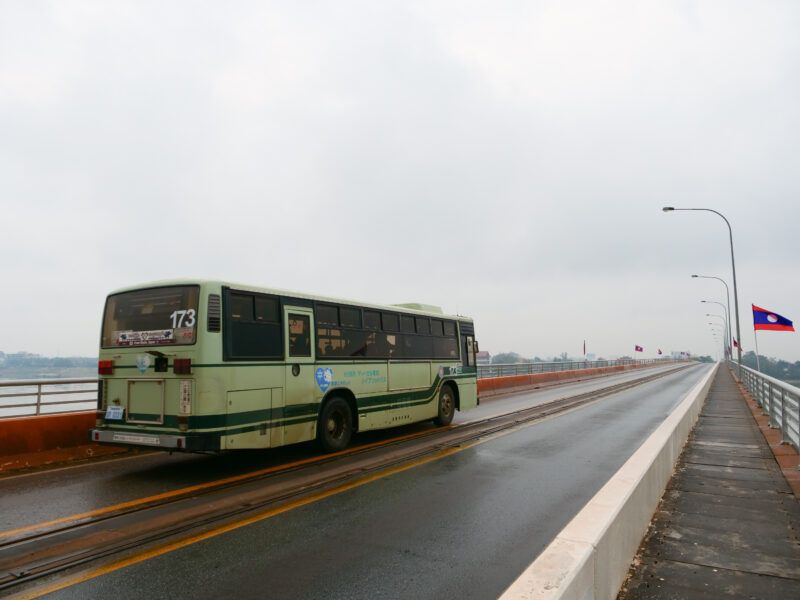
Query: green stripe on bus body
[[294, 413], [272, 418], [224, 429], [413, 396], [278, 364], [303, 413], [252, 420]]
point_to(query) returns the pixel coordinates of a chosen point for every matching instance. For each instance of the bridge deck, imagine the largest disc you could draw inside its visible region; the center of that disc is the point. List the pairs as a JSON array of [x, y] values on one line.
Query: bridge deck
[[728, 524]]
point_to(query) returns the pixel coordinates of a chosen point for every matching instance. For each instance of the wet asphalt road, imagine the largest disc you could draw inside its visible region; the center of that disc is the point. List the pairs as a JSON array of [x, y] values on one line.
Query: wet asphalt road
[[46, 495], [463, 526]]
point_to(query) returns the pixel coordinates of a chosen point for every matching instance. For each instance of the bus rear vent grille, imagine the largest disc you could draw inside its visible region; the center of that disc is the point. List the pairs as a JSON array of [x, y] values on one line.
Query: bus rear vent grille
[[214, 317]]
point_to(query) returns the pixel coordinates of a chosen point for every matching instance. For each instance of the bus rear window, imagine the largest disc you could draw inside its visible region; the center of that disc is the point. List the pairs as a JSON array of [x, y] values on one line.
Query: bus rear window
[[151, 317]]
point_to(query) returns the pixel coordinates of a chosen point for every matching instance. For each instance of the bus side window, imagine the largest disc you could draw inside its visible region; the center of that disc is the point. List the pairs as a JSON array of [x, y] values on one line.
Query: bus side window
[[241, 307], [252, 329], [299, 335]]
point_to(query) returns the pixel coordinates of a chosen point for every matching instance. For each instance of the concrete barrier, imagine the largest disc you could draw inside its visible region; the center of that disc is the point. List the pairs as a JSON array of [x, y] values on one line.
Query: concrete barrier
[[21, 435], [590, 557]]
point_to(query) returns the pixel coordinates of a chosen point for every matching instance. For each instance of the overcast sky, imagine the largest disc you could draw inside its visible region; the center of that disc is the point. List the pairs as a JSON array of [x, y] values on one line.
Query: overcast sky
[[505, 160]]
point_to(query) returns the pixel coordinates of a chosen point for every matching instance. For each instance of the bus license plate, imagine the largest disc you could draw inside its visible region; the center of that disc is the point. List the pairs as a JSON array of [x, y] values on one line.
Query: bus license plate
[[114, 413], [150, 440]]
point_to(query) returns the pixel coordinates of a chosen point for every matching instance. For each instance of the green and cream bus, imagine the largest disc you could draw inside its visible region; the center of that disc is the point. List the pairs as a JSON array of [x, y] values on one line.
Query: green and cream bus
[[214, 366]]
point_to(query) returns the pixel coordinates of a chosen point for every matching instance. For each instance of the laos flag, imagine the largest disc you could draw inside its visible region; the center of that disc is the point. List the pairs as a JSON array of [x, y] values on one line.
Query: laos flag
[[639, 348], [764, 319]]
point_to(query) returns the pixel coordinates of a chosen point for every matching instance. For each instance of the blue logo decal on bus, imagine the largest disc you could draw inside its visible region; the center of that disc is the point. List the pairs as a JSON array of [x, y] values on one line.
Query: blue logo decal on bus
[[324, 378], [142, 362]]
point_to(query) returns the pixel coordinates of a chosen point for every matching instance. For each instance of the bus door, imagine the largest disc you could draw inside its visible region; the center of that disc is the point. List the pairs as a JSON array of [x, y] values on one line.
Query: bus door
[[299, 403]]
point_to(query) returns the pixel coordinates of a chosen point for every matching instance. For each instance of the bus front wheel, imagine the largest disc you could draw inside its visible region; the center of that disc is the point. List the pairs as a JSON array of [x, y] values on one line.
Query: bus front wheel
[[447, 406], [335, 425]]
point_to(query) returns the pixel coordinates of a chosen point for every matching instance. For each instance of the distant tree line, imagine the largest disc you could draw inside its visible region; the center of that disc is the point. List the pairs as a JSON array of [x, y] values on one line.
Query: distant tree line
[[25, 365], [505, 358], [779, 369], [703, 359], [25, 359]]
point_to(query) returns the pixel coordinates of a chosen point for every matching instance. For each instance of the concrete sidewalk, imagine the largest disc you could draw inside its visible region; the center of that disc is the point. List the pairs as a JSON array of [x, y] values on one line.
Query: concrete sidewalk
[[728, 525]]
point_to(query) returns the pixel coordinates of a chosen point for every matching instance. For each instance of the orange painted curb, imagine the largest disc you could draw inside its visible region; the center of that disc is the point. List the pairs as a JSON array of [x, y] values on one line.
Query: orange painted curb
[[22, 435], [60, 456]]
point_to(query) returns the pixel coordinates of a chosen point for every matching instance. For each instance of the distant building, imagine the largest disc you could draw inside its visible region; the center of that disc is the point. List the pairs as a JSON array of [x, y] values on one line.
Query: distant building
[[483, 357], [591, 356]]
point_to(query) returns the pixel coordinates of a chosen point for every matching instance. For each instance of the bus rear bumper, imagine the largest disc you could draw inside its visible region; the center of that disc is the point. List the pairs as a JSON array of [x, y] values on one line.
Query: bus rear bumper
[[163, 441]]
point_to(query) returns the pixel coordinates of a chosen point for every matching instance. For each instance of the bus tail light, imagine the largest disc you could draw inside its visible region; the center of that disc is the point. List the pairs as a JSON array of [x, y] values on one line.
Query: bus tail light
[[182, 366], [105, 367]]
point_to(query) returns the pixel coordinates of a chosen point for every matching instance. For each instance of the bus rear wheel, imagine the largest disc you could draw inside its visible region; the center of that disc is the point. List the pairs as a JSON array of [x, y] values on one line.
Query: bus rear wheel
[[447, 406], [335, 425]]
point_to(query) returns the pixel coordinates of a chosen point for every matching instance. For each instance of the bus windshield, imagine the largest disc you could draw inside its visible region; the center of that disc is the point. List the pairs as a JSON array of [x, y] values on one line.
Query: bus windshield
[[151, 317]]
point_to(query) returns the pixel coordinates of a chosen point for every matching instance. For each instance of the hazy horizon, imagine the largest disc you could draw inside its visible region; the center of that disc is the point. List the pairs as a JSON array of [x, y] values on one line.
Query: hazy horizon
[[508, 162]]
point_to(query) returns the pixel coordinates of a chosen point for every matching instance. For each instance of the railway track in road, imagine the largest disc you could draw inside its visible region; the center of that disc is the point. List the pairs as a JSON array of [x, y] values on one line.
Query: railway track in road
[[49, 548]]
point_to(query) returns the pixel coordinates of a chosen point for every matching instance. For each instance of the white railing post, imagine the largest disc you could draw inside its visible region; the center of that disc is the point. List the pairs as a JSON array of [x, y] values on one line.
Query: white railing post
[[784, 423]]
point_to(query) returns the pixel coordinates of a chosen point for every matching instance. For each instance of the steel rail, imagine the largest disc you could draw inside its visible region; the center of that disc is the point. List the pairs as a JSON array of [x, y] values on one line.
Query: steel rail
[[85, 394], [50, 550]]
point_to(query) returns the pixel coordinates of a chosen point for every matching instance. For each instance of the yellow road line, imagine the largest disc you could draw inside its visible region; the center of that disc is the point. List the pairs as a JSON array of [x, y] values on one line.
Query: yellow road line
[[187, 490], [132, 560], [192, 539]]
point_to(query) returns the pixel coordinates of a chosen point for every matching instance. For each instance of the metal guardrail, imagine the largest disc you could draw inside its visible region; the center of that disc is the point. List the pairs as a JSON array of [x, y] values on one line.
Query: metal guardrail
[[506, 370], [30, 397], [779, 400]]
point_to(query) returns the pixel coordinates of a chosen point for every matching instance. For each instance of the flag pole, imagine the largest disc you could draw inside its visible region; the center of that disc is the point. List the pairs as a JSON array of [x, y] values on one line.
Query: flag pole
[[758, 363]]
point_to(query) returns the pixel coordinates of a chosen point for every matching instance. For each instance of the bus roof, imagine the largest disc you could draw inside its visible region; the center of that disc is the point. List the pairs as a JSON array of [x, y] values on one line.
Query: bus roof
[[411, 308]]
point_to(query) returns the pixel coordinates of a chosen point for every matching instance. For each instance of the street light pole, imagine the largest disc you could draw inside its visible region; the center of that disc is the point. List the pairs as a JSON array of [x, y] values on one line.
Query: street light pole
[[713, 332], [733, 269], [725, 328], [728, 296], [724, 318]]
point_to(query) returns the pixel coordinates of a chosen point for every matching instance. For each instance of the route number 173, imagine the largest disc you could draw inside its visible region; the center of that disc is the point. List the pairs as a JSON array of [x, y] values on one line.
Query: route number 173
[[179, 316]]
